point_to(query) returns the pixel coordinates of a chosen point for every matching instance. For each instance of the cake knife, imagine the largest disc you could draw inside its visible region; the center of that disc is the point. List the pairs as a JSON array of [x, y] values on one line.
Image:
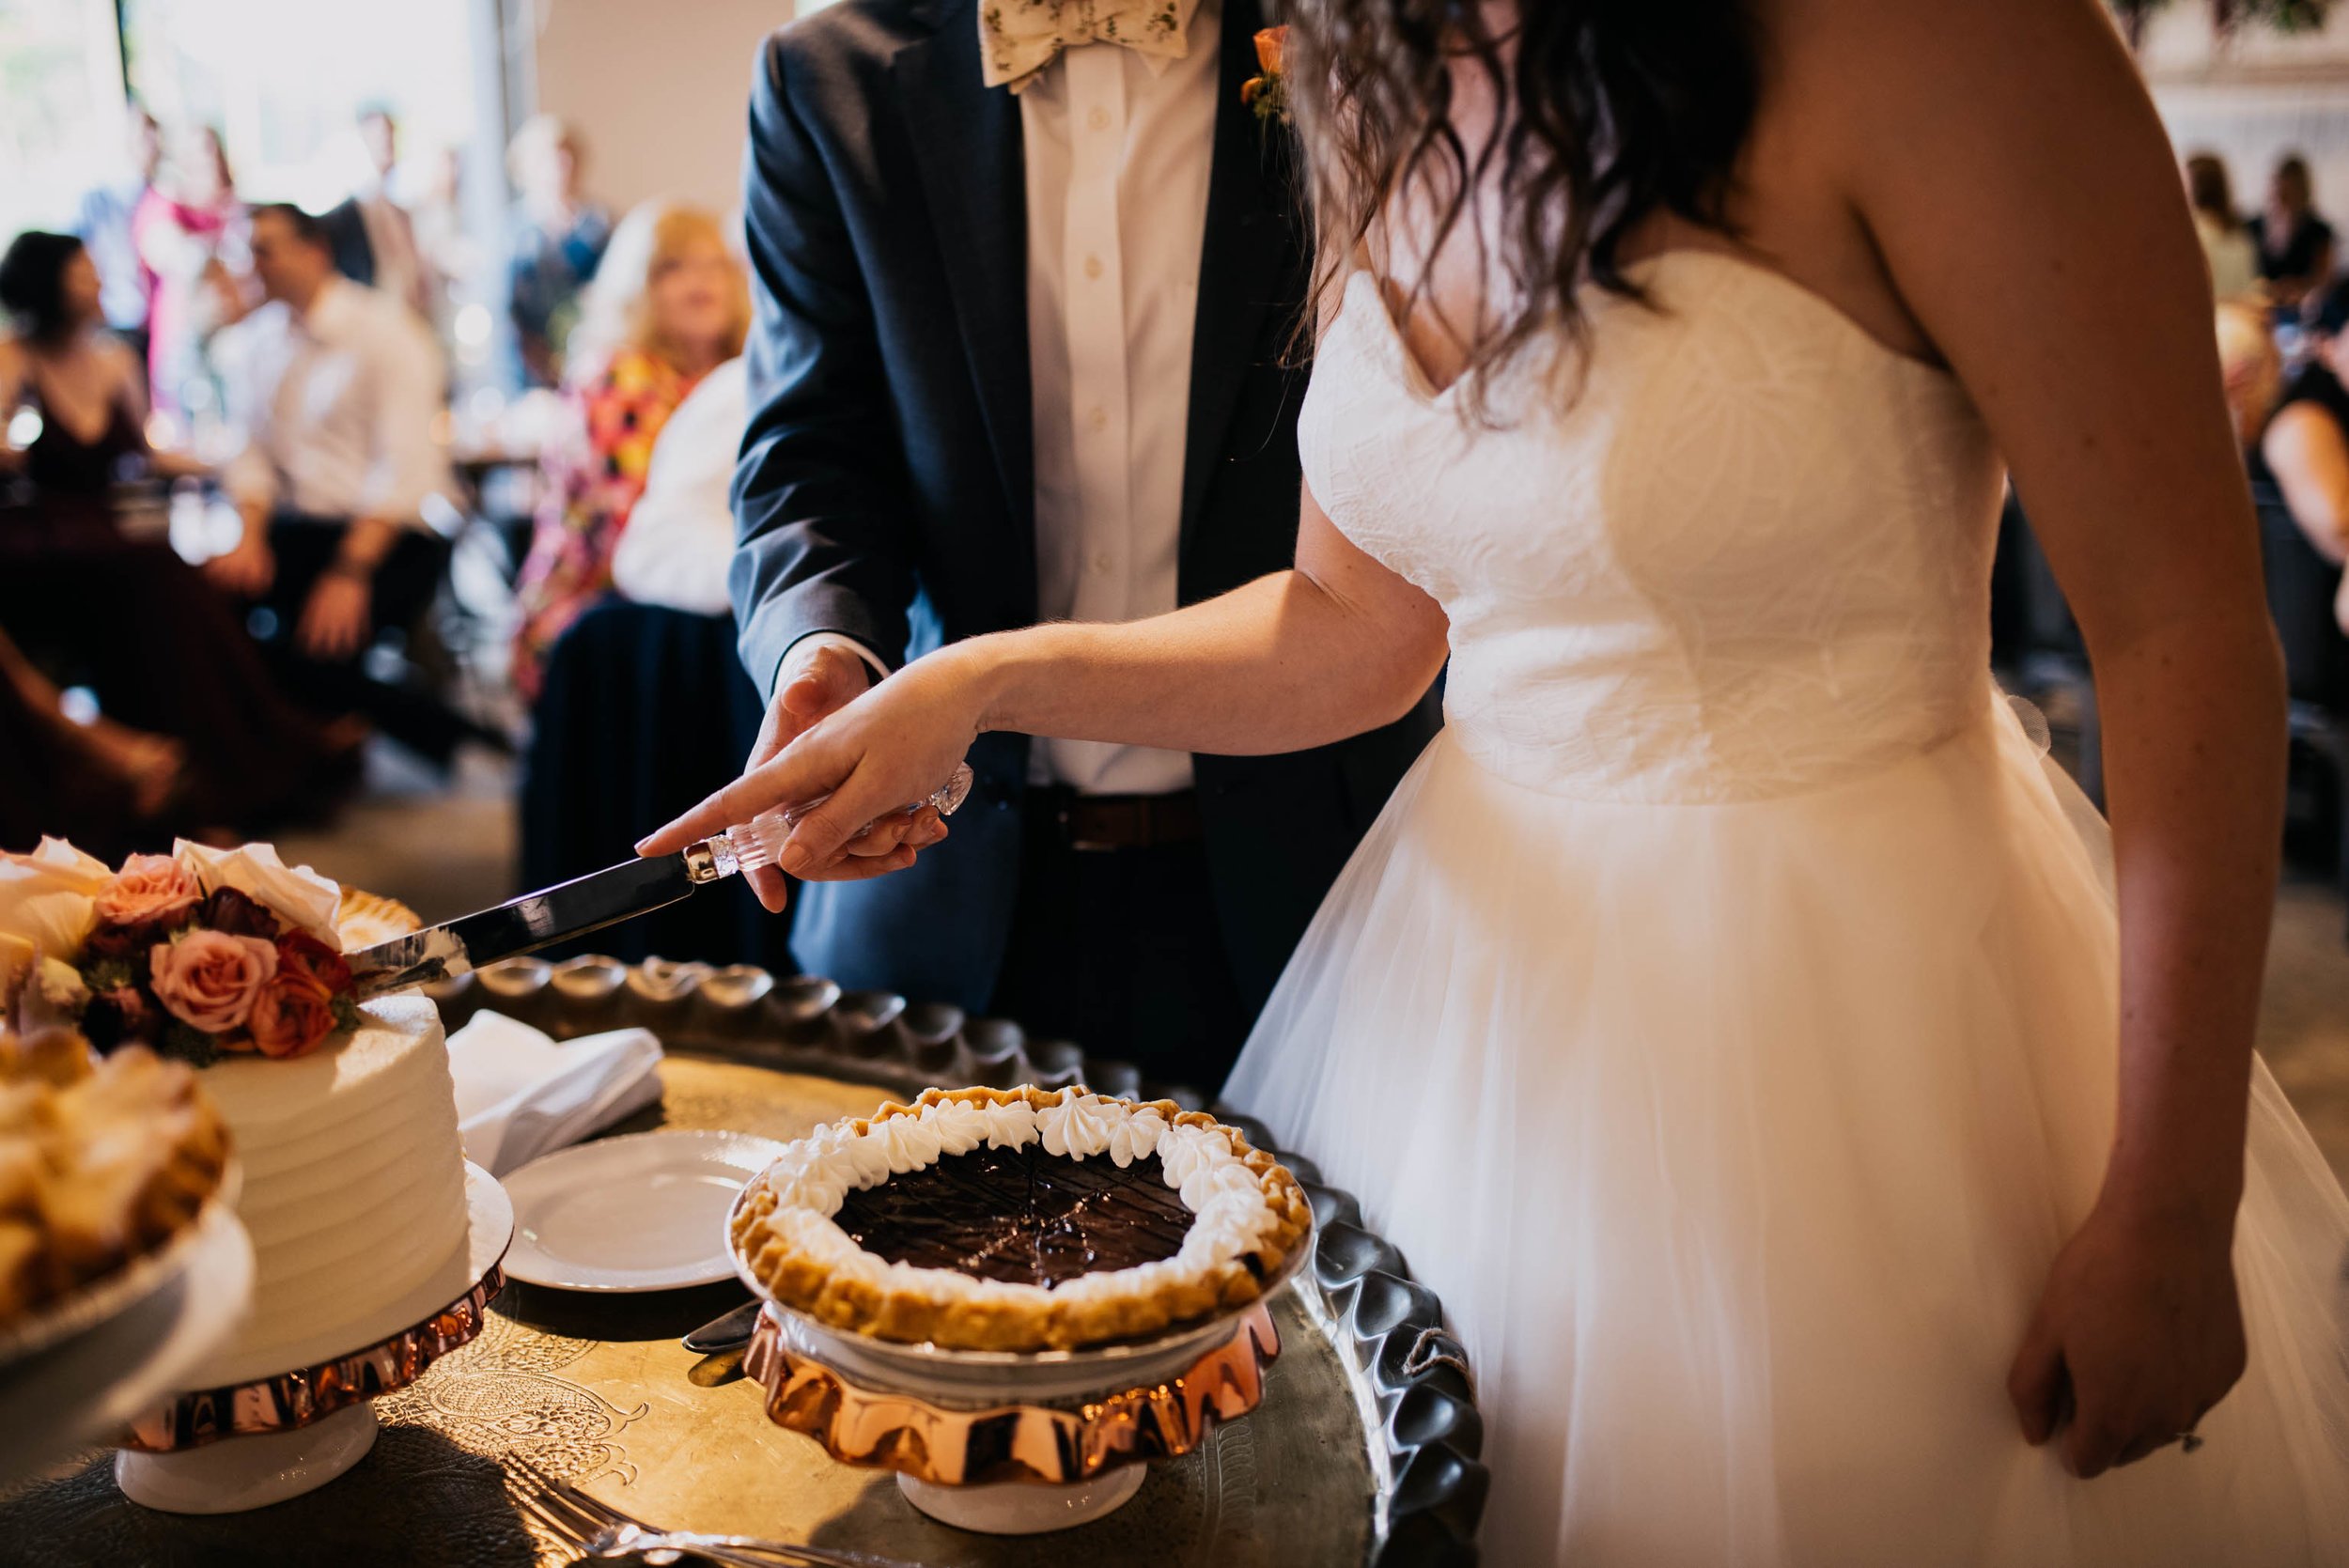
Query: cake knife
[[592, 902]]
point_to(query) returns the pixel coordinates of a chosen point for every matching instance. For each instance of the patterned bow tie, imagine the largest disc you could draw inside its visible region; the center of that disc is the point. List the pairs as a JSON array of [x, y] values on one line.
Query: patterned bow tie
[[1018, 38]]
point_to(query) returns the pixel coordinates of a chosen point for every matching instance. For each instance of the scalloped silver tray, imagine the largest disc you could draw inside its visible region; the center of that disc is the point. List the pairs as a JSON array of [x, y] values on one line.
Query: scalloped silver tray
[[1413, 1383]]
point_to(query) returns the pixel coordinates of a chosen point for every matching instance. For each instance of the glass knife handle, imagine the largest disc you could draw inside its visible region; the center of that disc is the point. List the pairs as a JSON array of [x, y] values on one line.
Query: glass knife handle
[[757, 842]]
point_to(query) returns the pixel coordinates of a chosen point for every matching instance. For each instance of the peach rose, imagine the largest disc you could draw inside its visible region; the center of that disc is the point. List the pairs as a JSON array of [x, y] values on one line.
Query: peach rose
[[1269, 44], [148, 890], [208, 978], [291, 1016]]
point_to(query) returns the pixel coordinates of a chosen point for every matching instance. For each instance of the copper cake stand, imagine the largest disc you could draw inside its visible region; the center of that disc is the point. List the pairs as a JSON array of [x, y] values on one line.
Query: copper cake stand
[[245, 1445]]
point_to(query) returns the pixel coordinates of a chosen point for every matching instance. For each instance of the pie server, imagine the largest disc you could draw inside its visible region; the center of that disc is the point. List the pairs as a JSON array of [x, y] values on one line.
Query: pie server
[[589, 902]]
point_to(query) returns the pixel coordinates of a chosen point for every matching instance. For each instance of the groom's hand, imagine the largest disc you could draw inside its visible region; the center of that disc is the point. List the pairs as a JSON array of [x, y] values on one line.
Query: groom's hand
[[818, 679]]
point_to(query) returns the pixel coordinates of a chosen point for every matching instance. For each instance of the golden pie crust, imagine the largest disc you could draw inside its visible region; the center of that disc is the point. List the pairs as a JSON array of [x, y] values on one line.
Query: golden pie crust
[[1034, 1319], [102, 1162], [365, 919]]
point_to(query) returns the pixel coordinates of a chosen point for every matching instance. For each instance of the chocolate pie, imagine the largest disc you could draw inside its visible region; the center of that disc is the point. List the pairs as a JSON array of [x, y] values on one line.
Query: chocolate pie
[[1020, 1220]]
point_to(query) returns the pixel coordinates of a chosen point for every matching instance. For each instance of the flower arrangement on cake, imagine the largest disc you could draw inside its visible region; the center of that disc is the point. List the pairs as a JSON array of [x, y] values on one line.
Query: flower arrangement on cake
[[191, 953]]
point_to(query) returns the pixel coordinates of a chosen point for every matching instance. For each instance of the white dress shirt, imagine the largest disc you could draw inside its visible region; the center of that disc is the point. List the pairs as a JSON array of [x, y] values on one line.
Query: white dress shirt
[[335, 407], [1119, 147]]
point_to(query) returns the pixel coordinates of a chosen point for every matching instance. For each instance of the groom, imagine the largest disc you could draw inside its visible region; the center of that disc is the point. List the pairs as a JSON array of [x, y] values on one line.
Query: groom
[[1026, 275]]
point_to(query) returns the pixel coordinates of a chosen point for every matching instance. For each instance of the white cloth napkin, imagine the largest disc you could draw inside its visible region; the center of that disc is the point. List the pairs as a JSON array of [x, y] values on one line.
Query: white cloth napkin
[[520, 1094]]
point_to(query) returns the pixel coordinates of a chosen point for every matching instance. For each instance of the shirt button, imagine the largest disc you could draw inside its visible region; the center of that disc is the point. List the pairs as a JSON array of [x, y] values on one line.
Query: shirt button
[[1099, 417], [1101, 562], [1098, 119], [1093, 266]]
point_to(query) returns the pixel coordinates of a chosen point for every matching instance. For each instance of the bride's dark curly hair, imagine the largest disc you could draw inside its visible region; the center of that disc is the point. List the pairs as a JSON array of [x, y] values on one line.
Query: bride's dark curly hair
[[1610, 111]]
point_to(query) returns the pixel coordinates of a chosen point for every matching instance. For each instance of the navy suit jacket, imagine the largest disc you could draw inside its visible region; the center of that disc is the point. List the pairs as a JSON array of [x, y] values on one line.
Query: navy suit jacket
[[886, 486]]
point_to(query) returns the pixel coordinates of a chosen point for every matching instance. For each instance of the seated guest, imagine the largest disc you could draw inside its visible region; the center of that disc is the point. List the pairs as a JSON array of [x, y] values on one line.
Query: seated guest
[[2228, 248], [127, 616], [670, 305], [557, 240], [335, 389], [87, 384], [107, 787], [2305, 447], [679, 540], [2295, 246], [2300, 468]]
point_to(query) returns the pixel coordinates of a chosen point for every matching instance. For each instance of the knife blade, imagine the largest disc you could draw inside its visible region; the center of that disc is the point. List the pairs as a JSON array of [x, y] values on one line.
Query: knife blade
[[527, 923], [590, 903]]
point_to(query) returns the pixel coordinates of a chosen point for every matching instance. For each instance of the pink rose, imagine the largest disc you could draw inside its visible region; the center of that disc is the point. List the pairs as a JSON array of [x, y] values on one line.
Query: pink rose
[[148, 890], [208, 978], [291, 1016]]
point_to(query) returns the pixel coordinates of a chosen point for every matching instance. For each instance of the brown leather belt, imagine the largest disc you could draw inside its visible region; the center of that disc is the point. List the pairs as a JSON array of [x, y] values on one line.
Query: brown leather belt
[[1103, 822]]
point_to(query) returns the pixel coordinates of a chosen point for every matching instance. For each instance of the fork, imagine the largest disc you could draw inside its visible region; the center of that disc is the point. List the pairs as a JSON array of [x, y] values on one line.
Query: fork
[[597, 1529]]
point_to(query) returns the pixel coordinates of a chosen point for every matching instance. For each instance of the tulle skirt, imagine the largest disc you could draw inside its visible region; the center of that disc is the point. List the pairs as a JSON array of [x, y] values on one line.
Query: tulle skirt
[[1739, 1140]]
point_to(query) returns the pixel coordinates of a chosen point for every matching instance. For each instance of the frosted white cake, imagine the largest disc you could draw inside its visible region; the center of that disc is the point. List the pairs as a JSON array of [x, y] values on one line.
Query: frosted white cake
[[355, 1184]]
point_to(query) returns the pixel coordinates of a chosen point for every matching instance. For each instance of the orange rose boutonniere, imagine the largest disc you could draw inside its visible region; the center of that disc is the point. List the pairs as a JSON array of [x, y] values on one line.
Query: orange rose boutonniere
[[1268, 94]]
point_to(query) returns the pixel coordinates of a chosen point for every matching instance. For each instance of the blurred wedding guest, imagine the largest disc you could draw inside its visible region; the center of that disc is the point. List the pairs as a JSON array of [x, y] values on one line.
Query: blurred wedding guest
[[2295, 246], [104, 786], [679, 540], [104, 226], [669, 306], [2298, 462], [187, 229], [557, 237], [2306, 445], [374, 240], [2228, 247], [334, 388], [85, 383], [433, 188], [125, 615]]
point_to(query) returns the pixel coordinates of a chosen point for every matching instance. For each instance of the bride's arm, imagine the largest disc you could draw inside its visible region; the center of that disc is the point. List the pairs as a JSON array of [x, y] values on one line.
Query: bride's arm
[[1336, 645], [2013, 176]]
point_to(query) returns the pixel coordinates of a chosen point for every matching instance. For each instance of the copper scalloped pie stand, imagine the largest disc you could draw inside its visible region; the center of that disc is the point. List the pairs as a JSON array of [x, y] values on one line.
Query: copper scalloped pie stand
[[1058, 1444]]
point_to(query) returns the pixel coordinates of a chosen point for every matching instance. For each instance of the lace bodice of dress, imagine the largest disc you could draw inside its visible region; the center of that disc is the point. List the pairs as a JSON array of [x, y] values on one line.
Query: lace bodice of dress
[[1746, 554]]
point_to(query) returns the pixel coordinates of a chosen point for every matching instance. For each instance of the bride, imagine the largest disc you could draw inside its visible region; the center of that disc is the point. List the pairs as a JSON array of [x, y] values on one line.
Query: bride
[[1730, 1016]]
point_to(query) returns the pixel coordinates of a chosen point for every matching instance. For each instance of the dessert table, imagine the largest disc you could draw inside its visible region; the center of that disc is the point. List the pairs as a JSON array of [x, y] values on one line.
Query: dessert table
[[1364, 1451]]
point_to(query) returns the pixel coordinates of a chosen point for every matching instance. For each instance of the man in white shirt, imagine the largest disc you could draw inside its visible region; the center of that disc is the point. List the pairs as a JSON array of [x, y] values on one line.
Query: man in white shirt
[[335, 389], [1026, 281]]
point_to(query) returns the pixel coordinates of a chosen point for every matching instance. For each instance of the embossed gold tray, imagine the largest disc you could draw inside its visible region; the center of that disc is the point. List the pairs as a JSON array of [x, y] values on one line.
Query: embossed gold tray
[[1365, 1450]]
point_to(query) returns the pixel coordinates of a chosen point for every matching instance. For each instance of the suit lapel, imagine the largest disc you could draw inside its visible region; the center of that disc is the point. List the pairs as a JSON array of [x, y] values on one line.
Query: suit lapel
[[1241, 262], [967, 141]]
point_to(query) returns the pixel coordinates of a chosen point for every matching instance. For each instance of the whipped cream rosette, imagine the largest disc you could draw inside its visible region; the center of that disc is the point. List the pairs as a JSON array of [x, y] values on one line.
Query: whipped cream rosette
[[1018, 1219]]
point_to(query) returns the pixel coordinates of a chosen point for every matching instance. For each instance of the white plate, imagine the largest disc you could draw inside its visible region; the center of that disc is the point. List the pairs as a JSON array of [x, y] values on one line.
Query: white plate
[[88, 1387], [646, 1212]]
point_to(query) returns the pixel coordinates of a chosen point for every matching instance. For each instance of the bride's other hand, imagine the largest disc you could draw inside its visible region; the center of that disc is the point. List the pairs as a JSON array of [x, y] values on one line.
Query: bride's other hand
[[897, 743], [2139, 1333], [819, 676]]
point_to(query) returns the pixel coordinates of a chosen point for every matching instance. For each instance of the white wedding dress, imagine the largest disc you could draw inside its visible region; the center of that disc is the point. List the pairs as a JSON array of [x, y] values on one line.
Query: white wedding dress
[[1721, 1018]]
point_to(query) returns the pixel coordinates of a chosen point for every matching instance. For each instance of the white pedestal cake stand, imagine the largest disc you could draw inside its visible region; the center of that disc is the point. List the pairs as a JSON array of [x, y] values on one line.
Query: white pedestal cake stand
[[247, 1442]]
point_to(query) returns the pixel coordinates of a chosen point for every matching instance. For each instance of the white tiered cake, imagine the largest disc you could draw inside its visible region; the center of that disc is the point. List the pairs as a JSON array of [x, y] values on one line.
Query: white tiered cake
[[354, 1188]]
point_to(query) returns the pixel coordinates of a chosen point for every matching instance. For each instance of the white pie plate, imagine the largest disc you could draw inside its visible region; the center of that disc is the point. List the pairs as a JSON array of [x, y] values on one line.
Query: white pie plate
[[640, 1213], [115, 1293], [85, 1389]]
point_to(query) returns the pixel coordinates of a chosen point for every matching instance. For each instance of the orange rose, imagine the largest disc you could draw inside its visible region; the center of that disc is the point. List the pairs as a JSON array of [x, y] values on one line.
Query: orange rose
[[1269, 42], [291, 1016], [148, 890], [301, 953]]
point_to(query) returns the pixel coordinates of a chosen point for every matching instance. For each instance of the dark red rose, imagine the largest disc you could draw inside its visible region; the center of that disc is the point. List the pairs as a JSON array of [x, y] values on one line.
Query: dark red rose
[[291, 1016], [127, 942], [301, 953], [120, 1016], [231, 911]]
